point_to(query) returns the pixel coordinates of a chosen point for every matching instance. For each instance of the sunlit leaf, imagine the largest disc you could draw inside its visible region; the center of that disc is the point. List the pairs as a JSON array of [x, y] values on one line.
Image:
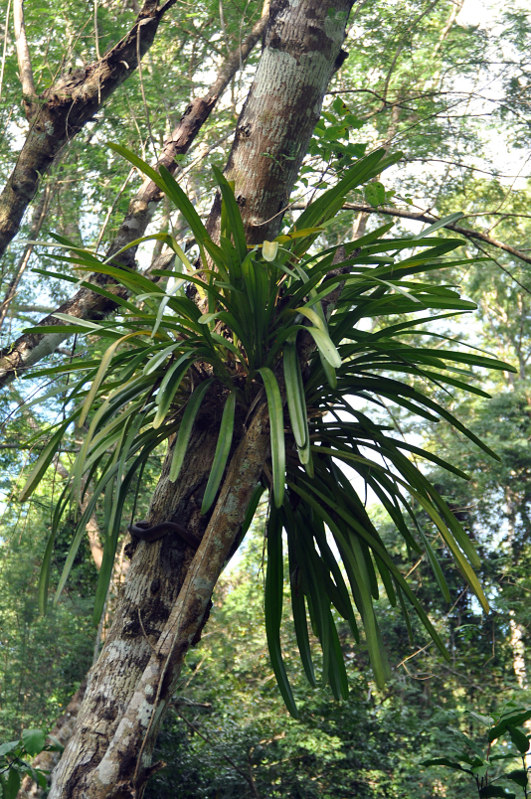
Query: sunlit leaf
[[276, 427], [269, 250]]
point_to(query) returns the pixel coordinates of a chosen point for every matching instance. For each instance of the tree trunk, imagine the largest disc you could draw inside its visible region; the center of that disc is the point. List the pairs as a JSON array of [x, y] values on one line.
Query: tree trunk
[[168, 587]]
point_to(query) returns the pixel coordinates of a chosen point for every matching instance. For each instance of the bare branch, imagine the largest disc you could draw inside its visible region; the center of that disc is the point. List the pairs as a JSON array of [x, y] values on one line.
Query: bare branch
[[405, 39], [493, 173], [4, 48], [431, 218], [96, 31]]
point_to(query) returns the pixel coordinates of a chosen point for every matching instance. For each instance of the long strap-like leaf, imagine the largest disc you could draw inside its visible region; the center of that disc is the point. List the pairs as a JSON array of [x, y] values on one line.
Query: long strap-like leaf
[[222, 452], [276, 431], [273, 606]]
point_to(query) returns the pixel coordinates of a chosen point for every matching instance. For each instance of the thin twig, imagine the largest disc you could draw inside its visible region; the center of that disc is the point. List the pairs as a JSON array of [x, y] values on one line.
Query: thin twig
[[247, 777], [38, 218], [96, 32], [143, 92], [113, 205], [431, 218]]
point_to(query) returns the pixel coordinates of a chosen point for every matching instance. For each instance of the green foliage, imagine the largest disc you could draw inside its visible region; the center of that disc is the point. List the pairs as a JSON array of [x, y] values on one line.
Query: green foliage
[[264, 307], [228, 725], [44, 659], [404, 76], [231, 736], [487, 768], [14, 763], [330, 148]]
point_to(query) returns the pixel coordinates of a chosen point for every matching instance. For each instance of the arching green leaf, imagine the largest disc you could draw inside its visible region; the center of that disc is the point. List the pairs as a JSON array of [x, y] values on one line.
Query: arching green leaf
[[276, 429], [273, 607], [185, 428], [221, 454]]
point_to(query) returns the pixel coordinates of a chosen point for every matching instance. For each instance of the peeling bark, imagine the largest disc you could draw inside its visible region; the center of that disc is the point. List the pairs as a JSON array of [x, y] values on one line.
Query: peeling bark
[[150, 592], [62, 732], [168, 587], [126, 763]]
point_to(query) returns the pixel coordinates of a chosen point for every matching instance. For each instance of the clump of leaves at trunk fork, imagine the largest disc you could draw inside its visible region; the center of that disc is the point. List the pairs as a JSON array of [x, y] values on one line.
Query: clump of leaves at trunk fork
[[165, 356]]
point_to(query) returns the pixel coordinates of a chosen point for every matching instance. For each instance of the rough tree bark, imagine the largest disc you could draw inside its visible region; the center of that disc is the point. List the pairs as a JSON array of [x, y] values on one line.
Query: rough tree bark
[[30, 348], [168, 587]]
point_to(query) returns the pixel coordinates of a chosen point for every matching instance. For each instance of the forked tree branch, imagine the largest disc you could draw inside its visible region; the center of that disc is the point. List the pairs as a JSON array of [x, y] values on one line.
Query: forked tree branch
[[66, 107]]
